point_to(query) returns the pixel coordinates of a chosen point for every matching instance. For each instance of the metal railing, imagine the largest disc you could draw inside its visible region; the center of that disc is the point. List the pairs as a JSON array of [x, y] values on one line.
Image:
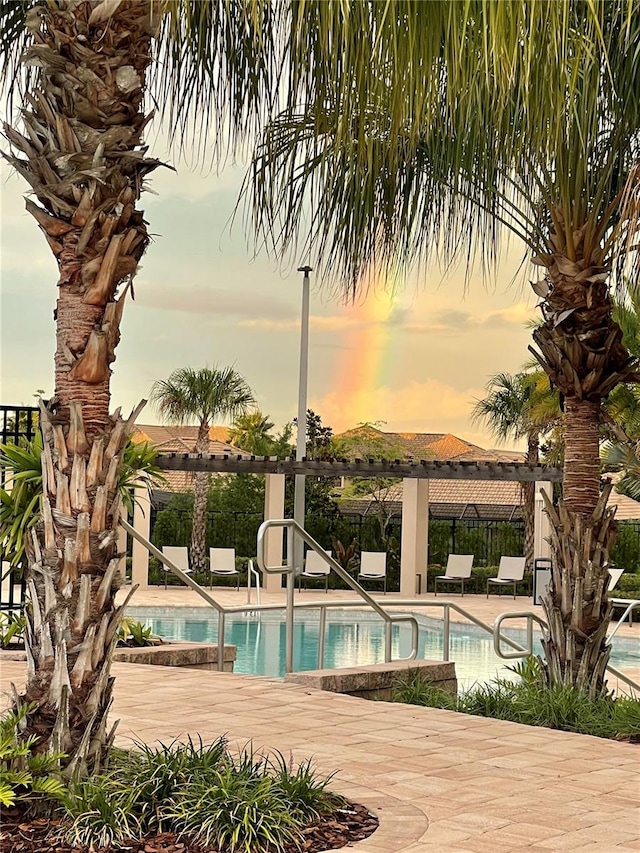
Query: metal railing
[[447, 607], [526, 652], [630, 604], [253, 572], [294, 529], [220, 610]]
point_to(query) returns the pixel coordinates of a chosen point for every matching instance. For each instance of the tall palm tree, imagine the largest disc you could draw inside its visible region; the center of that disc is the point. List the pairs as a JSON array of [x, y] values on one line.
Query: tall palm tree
[[81, 72], [443, 128], [521, 406], [202, 396], [251, 432]]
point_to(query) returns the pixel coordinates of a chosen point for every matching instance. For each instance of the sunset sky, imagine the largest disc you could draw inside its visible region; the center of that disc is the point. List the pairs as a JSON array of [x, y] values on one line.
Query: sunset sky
[[415, 359]]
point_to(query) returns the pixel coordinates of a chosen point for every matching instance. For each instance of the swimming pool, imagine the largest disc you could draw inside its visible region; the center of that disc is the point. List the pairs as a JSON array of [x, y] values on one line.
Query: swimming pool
[[353, 637]]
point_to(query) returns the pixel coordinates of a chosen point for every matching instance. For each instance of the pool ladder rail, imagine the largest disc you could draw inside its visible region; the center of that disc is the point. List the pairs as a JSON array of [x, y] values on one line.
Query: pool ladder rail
[[447, 607]]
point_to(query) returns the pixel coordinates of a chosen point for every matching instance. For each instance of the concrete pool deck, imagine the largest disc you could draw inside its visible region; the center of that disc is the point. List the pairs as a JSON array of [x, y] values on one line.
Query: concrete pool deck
[[439, 781]]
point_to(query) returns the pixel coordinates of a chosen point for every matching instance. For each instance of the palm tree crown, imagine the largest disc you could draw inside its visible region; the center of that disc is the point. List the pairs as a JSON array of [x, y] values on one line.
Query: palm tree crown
[[202, 395]]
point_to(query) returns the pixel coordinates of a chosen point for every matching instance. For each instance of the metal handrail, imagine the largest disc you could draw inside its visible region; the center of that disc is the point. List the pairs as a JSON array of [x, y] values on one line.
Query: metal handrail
[[497, 636], [155, 552], [251, 570], [525, 652], [631, 603], [294, 529], [446, 606]]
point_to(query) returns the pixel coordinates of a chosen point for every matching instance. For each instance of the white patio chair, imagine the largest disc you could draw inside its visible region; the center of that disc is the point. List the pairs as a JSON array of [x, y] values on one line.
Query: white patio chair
[[315, 568], [458, 571], [222, 562], [373, 567], [510, 571], [179, 556], [614, 577]]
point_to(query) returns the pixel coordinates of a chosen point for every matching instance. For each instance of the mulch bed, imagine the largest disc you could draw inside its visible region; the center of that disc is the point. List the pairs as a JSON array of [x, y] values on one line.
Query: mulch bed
[[18, 835]]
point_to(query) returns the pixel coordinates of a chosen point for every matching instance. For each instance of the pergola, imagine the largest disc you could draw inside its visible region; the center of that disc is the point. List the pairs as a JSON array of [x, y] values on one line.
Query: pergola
[[415, 498]]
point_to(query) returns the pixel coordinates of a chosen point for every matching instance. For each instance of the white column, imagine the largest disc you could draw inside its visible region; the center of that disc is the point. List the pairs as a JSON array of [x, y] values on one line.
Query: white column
[[274, 508], [541, 526], [415, 535], [142, 523]]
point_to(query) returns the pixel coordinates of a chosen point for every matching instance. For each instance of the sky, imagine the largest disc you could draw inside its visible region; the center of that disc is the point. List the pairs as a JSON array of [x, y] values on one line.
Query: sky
[[414, 359]]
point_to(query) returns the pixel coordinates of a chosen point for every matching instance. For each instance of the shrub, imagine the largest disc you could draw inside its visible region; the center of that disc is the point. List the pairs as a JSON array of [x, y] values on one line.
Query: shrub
[[250, 803], [532, 703], [12, 626], [31, 779], [136, 634]]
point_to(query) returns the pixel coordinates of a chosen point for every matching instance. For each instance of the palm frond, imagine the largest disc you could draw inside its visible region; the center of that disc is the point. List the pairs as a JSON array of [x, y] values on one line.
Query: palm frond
[[447, 127]]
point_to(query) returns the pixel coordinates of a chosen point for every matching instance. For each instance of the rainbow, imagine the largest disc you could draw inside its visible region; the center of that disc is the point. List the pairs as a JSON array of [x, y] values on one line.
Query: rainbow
[[368, 360]]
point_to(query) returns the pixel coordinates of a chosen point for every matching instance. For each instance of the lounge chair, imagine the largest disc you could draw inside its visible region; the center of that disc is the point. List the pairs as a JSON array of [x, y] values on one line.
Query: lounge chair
[[315, 568], [510, 571], [458, 570], [179, 556], [373, 567], [222, 562], [614, 577]]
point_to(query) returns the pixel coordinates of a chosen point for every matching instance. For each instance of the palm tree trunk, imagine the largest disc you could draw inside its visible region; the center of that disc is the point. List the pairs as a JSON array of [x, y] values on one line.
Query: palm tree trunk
[[83, 155], [583, 355], [200, 493], [529, 489]]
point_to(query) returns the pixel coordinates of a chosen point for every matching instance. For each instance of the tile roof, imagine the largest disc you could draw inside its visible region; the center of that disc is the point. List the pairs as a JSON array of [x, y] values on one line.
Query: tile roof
[[492, 499], [182, 439], [498, 492], [422, 445]]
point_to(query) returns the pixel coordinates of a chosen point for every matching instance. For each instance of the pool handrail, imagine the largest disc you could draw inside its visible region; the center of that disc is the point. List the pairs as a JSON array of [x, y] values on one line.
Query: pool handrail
[[294, 529], [195, 586], [528, 651], [251, 570], [323, 606]]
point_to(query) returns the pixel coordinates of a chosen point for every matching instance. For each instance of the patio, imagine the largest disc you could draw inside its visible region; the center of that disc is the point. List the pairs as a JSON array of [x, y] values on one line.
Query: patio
[[438, 780]]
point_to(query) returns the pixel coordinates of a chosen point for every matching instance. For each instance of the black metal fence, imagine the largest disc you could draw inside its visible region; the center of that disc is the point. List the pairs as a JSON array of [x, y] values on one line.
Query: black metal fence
[[18, 424], [487, 540]]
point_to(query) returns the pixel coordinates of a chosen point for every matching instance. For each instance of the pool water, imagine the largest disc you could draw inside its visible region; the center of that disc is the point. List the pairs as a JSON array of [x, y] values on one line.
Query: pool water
[[353, 637]]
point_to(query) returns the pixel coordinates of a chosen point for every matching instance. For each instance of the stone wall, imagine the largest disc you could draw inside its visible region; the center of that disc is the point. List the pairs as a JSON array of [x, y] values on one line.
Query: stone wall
[[377, 680]]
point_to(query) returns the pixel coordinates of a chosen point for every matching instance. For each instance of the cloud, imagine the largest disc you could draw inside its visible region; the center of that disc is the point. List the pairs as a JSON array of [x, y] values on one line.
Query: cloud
[[514, 315], [417, 406], [332, 323], [215, 301]]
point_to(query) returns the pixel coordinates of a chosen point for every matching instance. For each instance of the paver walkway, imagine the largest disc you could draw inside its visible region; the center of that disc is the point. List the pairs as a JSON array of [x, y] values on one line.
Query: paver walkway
[[439, 781]]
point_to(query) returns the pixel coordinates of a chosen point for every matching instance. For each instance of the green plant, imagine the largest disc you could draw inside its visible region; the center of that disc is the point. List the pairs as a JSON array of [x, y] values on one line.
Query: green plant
[[411, 689], [303, 788], [26, 777], [530, 670], [103, 812], [236, 811], [11, 627], [20, 507], [562, 707], [249, 803], [346, 555], [137, 634]]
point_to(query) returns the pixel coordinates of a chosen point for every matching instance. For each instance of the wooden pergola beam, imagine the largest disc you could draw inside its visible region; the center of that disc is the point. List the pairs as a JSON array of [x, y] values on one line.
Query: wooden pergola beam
[[421, 469]]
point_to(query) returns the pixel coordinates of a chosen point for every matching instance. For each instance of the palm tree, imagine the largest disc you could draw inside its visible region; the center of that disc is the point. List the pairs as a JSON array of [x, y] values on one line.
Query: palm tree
[[251, 432], [82, 71], [202, 396], [443, 128], [521, 406]]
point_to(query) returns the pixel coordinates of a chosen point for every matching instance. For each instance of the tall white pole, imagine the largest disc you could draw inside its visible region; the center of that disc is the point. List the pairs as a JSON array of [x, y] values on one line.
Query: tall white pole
[[301, 443]]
